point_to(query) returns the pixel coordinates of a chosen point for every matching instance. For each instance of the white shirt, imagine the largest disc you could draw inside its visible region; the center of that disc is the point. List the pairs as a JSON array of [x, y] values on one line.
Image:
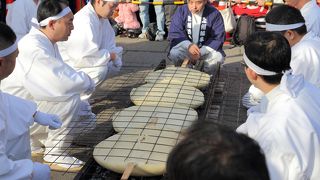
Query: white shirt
[[16, 115], [90, 44], [40, 73], [196, 22], [311, 13], [305, 58], [287, 127], [19, 16]]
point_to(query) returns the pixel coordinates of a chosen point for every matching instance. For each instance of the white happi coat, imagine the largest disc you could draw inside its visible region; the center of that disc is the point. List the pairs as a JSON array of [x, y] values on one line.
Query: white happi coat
[[19, 16], [42, 76], [287, 127], [90, 44], [311, 13], [305, 58], [16, 116]]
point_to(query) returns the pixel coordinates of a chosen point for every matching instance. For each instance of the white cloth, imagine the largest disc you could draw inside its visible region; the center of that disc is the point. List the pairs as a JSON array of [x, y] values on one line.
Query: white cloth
[[42, 76], [196, 22], [210, 56], [90, 44], [311, 13], [286, 125], [15, 119], [19, 16], [305, 58]]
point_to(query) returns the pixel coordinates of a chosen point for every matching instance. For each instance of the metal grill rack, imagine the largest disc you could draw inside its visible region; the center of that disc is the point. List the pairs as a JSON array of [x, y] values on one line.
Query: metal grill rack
[[106, 103], [222, 105], [225, 104]]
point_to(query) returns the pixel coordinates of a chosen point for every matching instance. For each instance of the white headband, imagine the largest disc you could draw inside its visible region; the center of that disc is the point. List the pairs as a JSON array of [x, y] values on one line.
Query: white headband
[[282, 27], [9, 50], [256, 68], [64, 12]]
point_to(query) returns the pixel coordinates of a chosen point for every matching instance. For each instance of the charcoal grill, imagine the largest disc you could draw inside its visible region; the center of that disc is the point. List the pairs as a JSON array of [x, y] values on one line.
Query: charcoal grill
[[220, 95]]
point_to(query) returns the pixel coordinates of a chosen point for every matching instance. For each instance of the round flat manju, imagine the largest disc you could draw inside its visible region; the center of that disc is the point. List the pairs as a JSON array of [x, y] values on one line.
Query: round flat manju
[[146, 149], [163, 94], [154, 117], [179, 75]]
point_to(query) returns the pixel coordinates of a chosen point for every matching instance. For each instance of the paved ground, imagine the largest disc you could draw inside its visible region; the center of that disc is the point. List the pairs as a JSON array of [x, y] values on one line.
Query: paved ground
[[141, 57]]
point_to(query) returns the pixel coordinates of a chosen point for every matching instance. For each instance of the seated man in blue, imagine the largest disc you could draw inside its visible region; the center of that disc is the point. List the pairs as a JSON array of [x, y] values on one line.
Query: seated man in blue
[[197, 33]]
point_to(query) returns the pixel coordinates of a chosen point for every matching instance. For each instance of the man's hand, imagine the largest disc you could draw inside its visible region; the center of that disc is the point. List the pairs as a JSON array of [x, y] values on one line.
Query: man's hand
[[51, 120], [194, 50], [194, 53], [113, 56]]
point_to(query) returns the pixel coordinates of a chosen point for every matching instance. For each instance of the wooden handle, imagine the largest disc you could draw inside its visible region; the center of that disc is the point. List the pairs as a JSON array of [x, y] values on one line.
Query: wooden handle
[[185, 62], [129, 168]]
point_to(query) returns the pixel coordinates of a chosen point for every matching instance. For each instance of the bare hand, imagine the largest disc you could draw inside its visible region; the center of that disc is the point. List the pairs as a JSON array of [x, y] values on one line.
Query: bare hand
[[194, 50], [113, 56], [194, 59]]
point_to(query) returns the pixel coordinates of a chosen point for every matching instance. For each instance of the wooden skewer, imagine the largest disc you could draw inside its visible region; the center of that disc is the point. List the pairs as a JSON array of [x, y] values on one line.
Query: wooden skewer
[[185, 62], [129, 168]]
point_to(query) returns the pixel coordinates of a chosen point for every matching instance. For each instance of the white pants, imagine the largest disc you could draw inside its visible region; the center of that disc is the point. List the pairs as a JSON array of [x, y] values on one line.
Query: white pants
[[57, 141]]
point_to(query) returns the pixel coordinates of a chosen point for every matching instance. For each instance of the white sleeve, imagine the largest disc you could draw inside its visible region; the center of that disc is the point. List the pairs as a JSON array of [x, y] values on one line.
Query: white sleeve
[[17, 19], [51, 79], [20, 109], [82, 47], [20, 169], [303, 63]]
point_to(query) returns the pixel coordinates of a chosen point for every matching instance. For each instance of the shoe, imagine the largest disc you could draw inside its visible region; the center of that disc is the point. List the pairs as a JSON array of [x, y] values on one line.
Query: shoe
[[159, 37], [63, 163], [142, 36]]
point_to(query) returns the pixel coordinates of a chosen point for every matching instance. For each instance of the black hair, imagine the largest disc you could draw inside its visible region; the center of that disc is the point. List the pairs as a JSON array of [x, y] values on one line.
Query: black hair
[[284, 15], [48, 8], [209, 151], [270, 51], [93, 2], [7, 36]]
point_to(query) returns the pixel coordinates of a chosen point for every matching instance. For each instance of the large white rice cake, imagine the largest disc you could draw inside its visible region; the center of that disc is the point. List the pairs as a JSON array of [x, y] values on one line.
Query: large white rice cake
[[154, 117], [148, 149], [162, 94], [179, 75]]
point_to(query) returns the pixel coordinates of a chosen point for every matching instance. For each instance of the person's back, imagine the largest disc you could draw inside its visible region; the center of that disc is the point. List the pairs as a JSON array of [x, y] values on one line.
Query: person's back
[[20, 15], [305, 58], [91, 46], [285, 123], [209, 151], [311, 13]]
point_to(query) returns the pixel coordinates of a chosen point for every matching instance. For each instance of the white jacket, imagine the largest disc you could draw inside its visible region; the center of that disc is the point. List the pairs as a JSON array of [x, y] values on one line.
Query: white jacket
[[287, 127]]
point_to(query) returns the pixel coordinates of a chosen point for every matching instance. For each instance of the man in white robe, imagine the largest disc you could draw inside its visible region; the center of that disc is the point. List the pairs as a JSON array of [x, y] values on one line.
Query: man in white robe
[[91, 47], [20, 15], [305, 58], [311, 13], [286, 122], [42, 76], [16, 115]]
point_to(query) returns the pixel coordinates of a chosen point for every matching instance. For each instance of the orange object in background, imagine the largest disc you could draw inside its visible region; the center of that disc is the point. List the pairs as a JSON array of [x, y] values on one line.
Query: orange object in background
[[79, 4], [8, 3]]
